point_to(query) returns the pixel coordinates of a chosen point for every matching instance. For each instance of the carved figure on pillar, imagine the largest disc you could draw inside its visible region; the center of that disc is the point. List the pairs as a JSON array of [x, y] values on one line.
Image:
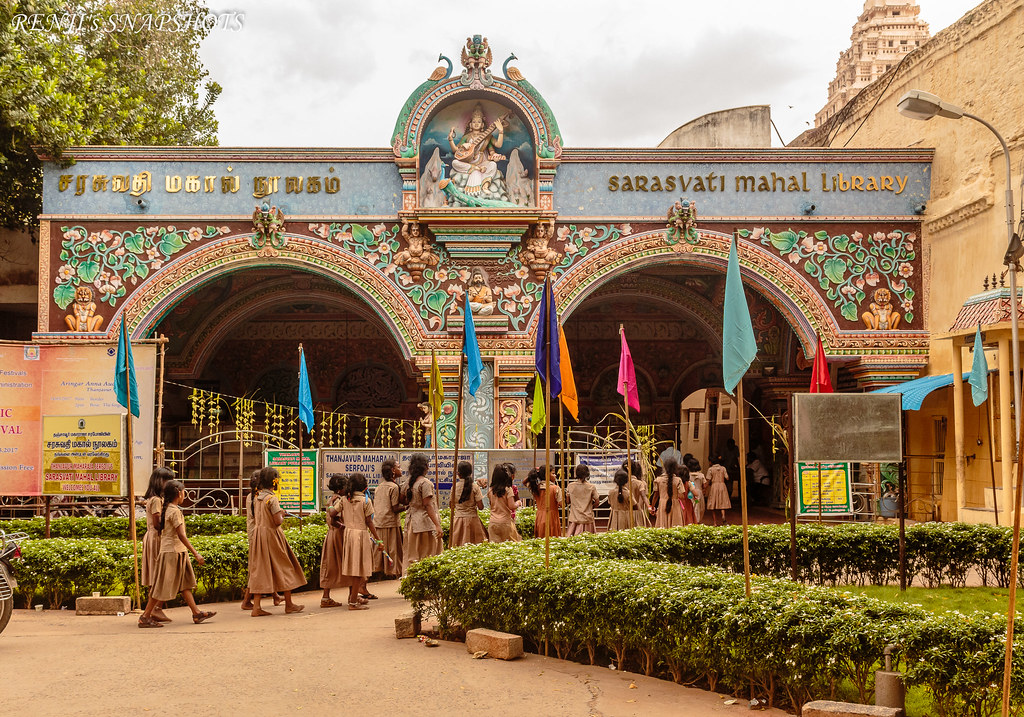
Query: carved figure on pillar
[[476, 58], [481, 298], [417, 255], [682, 222], [83, 312], [537, 252], [881, 317]]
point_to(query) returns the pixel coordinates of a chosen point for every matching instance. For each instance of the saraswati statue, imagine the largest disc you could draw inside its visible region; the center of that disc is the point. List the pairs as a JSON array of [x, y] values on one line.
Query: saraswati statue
[[475, 164]]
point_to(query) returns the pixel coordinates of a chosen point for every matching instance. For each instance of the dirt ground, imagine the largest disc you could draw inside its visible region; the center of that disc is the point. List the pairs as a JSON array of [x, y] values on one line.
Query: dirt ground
[[319, 661]]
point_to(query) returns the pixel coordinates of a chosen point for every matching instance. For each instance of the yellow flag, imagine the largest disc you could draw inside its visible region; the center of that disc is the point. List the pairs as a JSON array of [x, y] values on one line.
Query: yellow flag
[[436, 392], [569, 398], [539, 417]]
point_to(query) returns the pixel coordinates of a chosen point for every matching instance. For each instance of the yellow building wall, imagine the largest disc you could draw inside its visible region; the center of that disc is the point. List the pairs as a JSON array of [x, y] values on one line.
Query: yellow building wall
[[977, 64]]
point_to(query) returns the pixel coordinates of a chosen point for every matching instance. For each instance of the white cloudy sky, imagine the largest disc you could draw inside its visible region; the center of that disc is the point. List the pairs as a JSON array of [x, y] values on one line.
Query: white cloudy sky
[[335, 74]]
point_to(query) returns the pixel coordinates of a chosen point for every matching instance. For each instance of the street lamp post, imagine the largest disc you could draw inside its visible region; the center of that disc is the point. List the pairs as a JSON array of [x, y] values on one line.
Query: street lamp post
[[923, 106]]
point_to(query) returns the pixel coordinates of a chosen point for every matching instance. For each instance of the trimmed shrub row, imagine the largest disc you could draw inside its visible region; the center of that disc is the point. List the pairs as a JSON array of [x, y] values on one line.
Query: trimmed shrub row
[[58, 570], [794, 643], [117, 528]]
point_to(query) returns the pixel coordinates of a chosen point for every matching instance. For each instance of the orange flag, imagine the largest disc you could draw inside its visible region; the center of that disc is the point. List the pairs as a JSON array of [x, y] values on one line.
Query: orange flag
[[569, 398]]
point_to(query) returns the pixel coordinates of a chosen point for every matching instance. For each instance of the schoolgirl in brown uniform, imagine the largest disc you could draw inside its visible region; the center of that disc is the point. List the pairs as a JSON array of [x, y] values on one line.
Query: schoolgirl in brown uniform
[[621, 502], [668, 489], [331, 570], [548, 502], [357, 557], [583, 498], [272, 566], [503, 506], [151, 542], [467, 528], [387, 506], [174, 573], [423, 524]]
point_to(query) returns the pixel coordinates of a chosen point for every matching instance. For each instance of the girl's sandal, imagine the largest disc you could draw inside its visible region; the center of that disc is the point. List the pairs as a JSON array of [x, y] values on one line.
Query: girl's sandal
[[148, 622], [202, 616], [288, 610], [161, 618], [368, 596], [260, 613], [330, 603], [357, 606]]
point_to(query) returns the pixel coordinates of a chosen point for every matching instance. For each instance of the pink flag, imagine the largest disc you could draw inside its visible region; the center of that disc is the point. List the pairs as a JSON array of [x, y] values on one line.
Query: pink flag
[[627, 376]]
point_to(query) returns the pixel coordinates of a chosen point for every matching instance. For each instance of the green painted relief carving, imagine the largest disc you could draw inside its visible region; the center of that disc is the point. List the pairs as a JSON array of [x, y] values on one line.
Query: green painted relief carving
[[853, 269], [110, 259]]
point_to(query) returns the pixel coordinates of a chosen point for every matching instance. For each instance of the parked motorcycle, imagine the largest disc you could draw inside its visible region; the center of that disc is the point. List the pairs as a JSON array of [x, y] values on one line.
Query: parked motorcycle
[[9, 551]]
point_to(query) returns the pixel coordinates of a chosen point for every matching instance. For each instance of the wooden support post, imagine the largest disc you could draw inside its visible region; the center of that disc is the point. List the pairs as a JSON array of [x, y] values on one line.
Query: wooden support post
[[743, 483]]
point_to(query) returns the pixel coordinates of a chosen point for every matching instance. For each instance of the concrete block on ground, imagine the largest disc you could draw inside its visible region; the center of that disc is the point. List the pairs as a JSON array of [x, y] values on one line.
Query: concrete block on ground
[[407, 624], [105, 605], [499, 645], [824, 708]]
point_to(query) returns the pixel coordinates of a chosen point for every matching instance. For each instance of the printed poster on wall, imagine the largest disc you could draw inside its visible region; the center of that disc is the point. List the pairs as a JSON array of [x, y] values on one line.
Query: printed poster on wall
[[287, 464], [368, 460], [836, 479], [82, 455], [39, 380], [602, 469]]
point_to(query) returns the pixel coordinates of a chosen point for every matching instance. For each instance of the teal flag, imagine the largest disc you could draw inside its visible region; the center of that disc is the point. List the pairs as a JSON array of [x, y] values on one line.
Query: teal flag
[[470, 347], [124, 371], [305, 395], [979, 372], [739, 347]]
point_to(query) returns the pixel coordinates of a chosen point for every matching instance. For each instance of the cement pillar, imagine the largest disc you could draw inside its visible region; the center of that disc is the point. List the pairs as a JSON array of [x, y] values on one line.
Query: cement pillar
[[1006, 430], [958, 428]]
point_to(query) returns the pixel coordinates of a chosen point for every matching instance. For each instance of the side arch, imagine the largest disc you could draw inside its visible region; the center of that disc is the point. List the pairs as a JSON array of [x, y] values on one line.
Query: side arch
[[785, 289], [148, 305]]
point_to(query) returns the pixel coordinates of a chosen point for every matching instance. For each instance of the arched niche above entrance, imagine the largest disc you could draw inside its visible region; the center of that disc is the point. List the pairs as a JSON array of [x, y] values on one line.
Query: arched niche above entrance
[[428, 152]]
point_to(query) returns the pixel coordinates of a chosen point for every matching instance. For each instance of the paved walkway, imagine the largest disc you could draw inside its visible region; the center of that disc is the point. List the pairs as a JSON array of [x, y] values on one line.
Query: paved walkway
[[316, 662]]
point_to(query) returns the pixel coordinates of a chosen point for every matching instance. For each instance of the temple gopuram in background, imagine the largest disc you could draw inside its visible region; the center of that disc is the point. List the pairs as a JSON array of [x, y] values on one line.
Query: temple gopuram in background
[[365, 256]]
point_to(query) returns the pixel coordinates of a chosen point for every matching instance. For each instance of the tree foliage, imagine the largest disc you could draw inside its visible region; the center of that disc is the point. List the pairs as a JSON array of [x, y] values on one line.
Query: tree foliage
[[75, 72]]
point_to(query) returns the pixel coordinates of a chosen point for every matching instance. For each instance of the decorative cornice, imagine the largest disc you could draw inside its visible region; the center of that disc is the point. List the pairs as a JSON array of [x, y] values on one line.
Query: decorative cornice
[[797, 154], [227, 154], [956, 216]]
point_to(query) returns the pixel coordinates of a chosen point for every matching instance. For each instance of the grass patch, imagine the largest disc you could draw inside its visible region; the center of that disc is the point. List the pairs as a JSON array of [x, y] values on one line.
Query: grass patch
[[943, 599]]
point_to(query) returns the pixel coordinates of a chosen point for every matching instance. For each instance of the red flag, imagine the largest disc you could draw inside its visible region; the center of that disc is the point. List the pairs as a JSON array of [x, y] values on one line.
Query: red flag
[[821, 380], [627, 376]]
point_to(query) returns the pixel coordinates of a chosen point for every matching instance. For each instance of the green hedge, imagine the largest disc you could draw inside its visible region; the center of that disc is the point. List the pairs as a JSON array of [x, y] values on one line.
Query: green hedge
[[794, 643], [58, 570]]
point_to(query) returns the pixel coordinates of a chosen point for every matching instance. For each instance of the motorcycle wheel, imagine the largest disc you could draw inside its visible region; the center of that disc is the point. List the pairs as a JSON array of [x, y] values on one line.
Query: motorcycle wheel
[[6, 606]]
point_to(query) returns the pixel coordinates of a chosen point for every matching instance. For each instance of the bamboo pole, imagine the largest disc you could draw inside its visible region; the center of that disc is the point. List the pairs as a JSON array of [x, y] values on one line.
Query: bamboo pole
[[562, 461], [455, 454], [160, 406], [301, 511], [131, 476], [547, 462], [821, 496], [629, 463], [793, 505], [743, 484], [1014, 557], [47, 509], [241, 470], [991, 448]]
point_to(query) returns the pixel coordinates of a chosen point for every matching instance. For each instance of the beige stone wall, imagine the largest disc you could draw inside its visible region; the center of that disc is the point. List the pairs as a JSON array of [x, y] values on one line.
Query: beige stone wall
[[970, 64], [977, 63]]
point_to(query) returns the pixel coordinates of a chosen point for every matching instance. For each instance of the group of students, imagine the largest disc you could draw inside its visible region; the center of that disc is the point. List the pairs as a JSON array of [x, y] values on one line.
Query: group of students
[[365, 537]]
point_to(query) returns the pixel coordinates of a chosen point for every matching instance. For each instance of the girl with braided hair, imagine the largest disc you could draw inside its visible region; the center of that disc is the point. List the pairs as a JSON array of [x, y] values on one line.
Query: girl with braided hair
[[423, 524], [357, 556], [548, 502], [273, 566], [621, 502], [387, 505], [583, 498], [151, 542], [467, 528], [668, 489], [174, 573], [331, 573], [501, 526]]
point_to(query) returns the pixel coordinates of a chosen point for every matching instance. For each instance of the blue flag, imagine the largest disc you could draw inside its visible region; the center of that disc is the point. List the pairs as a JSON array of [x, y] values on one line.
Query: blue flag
[[739, 347], [124, 371], [547, 342], [979, 372], [474, 364], [305, 396]]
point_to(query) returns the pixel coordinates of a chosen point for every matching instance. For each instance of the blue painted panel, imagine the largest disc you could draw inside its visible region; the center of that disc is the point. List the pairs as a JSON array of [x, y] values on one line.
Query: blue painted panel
[[583, 189], [364, 188]]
